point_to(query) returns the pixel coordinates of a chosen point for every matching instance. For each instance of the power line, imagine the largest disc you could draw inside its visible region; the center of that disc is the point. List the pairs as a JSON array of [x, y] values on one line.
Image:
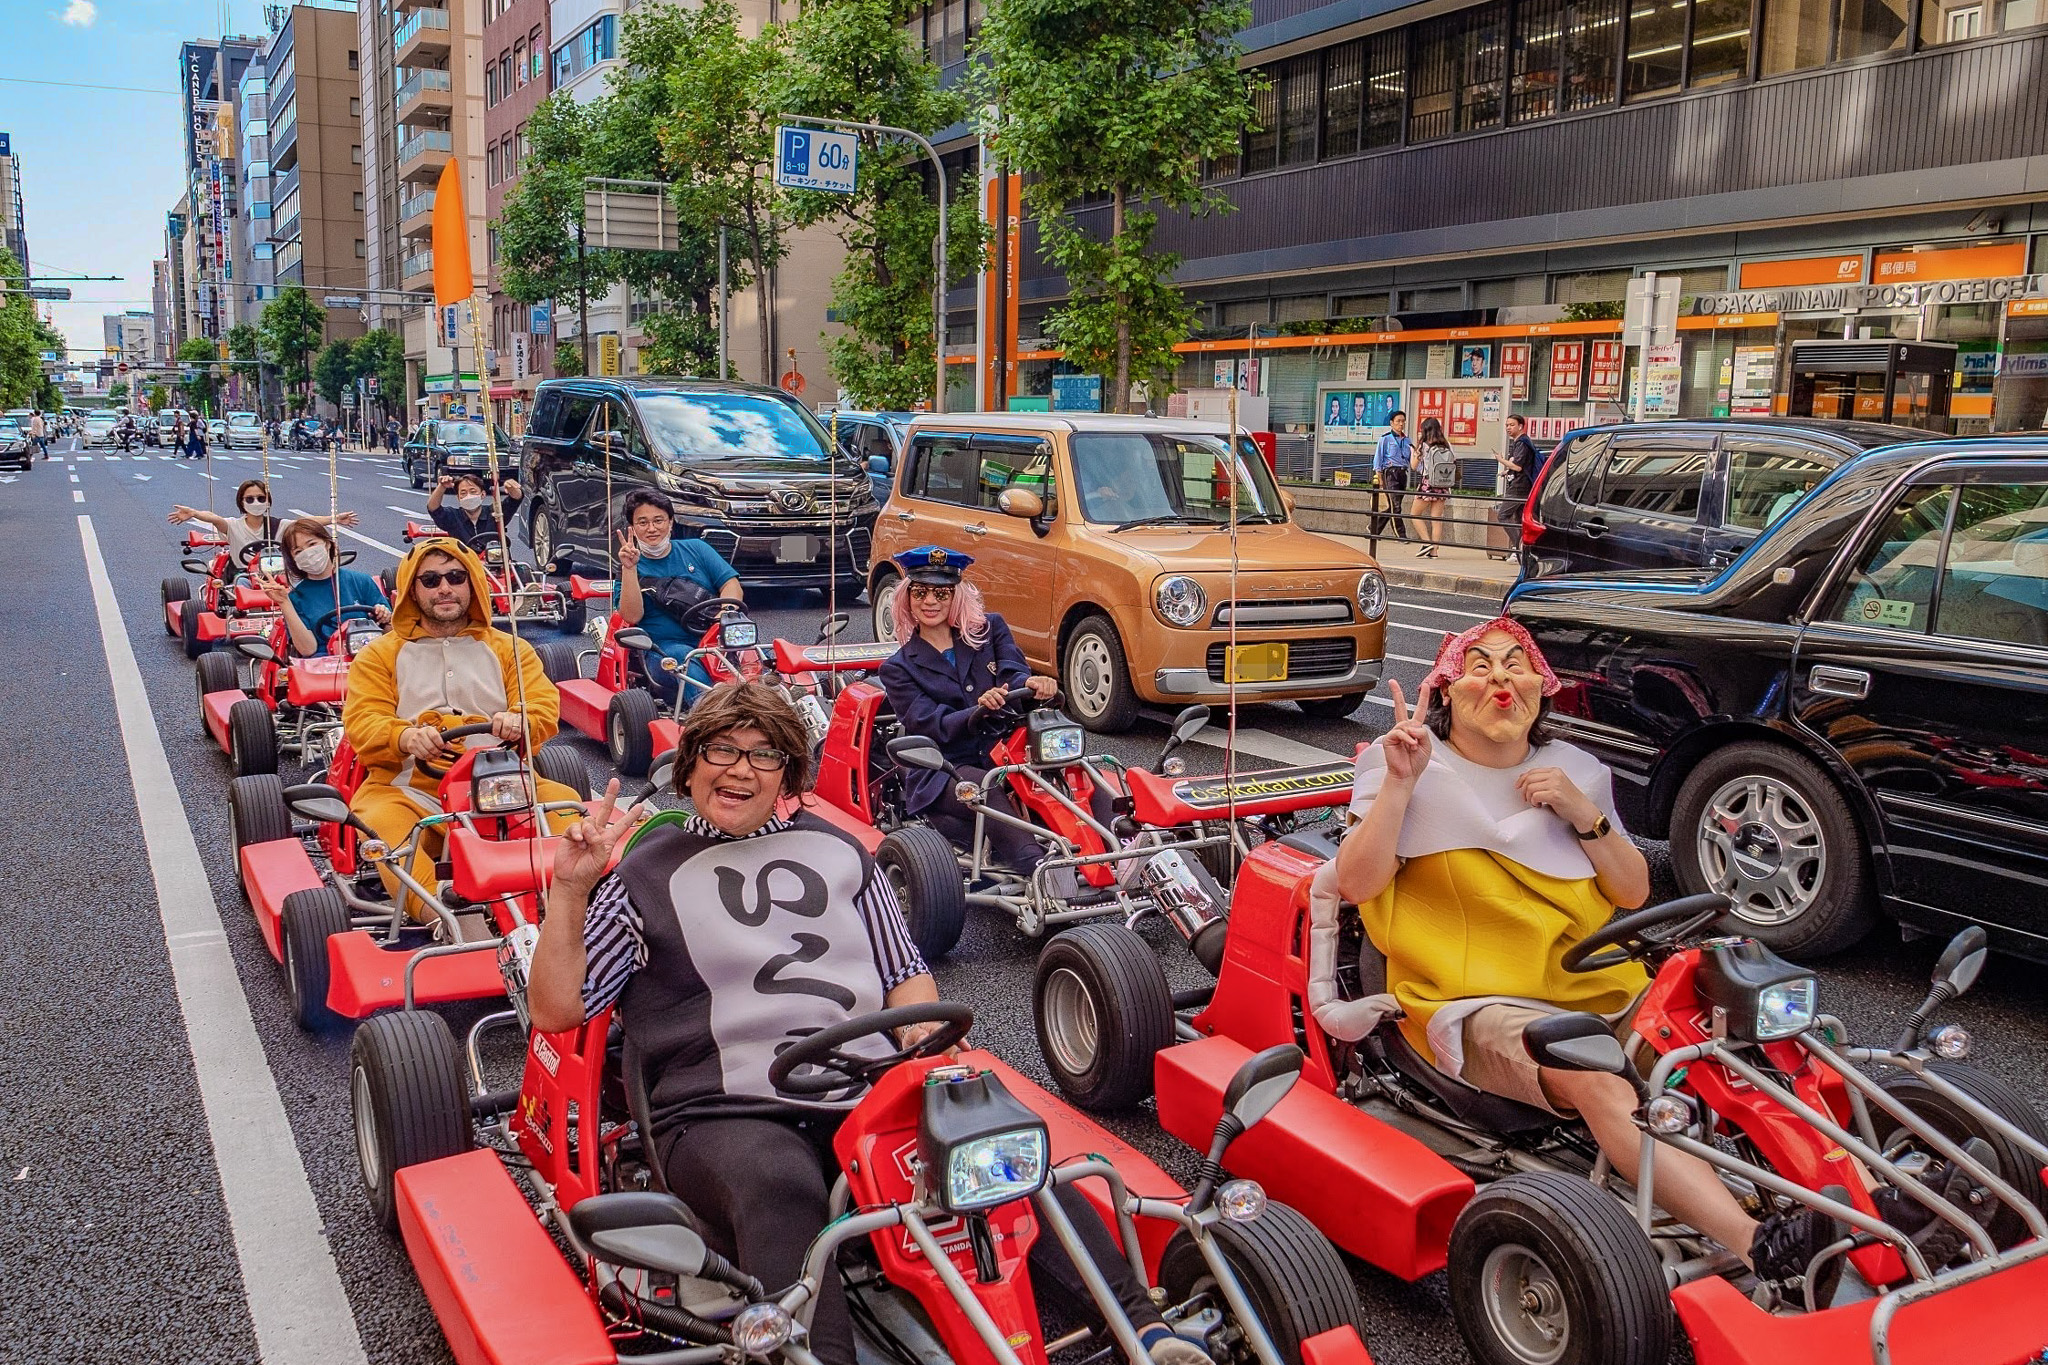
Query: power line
[[80, 85]]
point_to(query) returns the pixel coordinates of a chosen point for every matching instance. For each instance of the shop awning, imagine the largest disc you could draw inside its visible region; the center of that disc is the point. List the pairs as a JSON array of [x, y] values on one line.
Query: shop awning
[[506, 392]]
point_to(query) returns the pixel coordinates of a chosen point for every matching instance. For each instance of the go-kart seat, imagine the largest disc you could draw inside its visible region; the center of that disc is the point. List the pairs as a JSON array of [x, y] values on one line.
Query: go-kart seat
[[1493, 1113]]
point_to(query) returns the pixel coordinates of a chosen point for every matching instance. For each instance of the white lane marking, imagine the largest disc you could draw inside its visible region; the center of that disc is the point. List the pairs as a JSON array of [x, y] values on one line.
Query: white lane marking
[[1446, 611], [77, 495], [87, 459], [296, 1302], [391, 550], [1411, 658], [411, 513], [143, 477], [1258, 743], [397, 488], [74, 478]]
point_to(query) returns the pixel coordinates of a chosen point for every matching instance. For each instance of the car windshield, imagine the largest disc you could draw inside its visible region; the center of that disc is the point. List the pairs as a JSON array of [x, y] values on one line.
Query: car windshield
[[470, 434], [242, 422], [688, 426], [9, 424], [1169, 477]]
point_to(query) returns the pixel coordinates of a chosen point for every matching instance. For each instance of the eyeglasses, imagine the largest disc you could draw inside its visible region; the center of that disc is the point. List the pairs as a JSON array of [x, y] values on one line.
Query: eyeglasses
[[762, 760], [936, 592], [434, 578]]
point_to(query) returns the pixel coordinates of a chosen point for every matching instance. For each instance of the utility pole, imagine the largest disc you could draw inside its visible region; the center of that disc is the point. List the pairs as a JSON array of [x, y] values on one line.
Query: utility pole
[[583, 300]]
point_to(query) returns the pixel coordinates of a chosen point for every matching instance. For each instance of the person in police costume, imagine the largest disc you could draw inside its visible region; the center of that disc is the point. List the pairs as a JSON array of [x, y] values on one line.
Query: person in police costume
[[955, 666]]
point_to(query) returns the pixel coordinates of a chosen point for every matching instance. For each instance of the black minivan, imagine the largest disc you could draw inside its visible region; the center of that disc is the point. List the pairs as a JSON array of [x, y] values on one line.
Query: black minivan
[[1680, 495], [748, 468]]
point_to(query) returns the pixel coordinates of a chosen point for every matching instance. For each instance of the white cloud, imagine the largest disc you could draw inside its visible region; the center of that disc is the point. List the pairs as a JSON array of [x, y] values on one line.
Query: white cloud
[[80, 13]]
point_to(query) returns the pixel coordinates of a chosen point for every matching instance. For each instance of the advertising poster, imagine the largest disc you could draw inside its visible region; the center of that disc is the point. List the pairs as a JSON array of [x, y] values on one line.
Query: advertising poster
[[1475, 361], [1248, 375], [1664, 376], [1357, 417], [1603, 371], [1749, 381], [1357, 366], [1461, 419], [1439, 362], [1226, 373], [1430, 403], [1514, 367], [1567, 371]]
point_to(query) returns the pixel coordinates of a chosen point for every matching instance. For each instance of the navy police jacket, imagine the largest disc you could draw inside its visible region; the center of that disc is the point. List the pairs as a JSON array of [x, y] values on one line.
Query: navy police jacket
[[935, 699]]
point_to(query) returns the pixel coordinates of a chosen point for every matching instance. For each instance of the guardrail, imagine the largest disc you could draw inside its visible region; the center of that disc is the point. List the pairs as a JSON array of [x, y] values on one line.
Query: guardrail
[[415, 205], [431, 141], [407, 31], [425, 78], [419, 263]]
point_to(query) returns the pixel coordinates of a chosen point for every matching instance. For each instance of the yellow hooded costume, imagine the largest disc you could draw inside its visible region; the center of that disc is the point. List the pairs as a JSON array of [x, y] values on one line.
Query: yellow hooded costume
[[411, 677]]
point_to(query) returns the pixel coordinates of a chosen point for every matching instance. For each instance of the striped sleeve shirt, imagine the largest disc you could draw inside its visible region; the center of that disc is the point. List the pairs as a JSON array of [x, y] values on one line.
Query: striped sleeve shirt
[[615, 946]]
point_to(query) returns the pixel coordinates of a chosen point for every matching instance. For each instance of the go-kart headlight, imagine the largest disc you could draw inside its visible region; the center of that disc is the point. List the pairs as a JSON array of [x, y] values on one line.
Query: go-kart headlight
[[977, 1145], [1372, 595], [738, 632], [994, 1170], [1057, 745], [1179, 599], [1784, 1009], [502, 794]]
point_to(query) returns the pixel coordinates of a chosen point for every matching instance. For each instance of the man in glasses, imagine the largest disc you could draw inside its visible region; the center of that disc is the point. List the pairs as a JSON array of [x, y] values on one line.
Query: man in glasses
[[660, 579], [442, 664]]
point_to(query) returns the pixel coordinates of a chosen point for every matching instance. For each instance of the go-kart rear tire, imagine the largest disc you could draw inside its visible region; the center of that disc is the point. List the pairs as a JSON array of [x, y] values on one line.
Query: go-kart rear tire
[[925, 874], [214, 673], [257, 813], [625, 730], [1577, 1253], [1103, 1011], [1949, 1119], [307, 921], [188, 630], [387, 579], [174, 590], [252, 735], [562, 764], [1295, 1278], [409, 1101], [558, 660], [575, 615]]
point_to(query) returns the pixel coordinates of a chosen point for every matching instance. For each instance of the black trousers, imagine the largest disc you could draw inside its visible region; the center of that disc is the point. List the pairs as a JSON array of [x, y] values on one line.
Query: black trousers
[[761, 1187], [1393, 481], [1011, 847]]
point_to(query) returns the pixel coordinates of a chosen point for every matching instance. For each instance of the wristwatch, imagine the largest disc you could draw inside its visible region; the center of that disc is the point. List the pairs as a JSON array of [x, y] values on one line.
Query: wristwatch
[[1601, 829]]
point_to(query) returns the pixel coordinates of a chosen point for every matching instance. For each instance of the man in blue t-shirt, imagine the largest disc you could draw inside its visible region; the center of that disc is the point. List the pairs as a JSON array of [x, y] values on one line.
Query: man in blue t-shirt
[[648, 552]]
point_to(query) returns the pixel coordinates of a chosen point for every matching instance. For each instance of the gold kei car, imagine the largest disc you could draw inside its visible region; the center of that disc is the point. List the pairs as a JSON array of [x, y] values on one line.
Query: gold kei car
[[1104, 542]]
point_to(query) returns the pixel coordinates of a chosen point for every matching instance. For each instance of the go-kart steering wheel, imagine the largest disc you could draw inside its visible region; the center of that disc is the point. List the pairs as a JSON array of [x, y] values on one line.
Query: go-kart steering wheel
[[449, 737], [254, 548], [700, 618], [348, 611], [1635, 937], [835, 1070]]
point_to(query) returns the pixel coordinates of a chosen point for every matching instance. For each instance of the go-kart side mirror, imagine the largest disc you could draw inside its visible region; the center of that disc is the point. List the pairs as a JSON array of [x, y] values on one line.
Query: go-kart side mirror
[[563, 563], [196, 566], [1020, 502], [1189, 723], [257, 648], [1262, 1082], [915, 751], [1963, 959], [1575, 1042], [318, 801], [835, 624], [634, 638], [345, 557], [661, 774], [642, 1230]]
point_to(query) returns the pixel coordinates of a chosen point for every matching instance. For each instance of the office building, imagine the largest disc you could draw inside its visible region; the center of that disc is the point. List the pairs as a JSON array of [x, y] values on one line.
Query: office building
[[13, 219], [211, 74]]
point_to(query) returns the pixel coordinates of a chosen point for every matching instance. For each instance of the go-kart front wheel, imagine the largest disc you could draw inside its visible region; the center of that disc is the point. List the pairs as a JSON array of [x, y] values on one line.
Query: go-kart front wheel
[[558, 660], [925, 875], [1103, 1012], [1545, 1269], [214, 673], [561, 764], [1294, 1277], [188, 630], [1956, 1124], [257, 813], [409, 1101], [308, 920], [626, 734], [252, 735]]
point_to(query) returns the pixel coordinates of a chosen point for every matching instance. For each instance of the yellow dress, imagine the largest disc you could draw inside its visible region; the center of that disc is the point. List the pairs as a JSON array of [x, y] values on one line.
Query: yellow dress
[[1468, 923]]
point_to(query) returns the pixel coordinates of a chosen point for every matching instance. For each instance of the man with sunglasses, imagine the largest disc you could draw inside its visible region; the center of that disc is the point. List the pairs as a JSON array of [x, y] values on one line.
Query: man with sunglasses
[[442, 664]]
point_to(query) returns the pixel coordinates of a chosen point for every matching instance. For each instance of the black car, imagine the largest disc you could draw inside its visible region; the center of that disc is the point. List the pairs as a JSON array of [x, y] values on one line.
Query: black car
[[1668, 495], [875, 439], [1852, 716], [450, 445], [748, 468]]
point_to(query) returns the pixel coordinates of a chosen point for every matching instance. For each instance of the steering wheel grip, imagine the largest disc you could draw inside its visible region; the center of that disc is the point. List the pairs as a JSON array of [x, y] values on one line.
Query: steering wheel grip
[[1627, 938], [837, 1071], [701, 617]]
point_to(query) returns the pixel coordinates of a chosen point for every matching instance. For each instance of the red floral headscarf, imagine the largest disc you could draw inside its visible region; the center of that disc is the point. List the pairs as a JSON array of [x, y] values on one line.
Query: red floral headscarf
[[1450, 660]]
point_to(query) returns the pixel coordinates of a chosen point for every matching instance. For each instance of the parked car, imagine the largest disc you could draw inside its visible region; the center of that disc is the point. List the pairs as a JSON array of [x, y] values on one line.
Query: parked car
[[1102, 542], [748, 468], [99, 430], [875, 439], [1850, 718], [15, 450], [453, 446], [244, 431], [1670, 495], [217, 431]]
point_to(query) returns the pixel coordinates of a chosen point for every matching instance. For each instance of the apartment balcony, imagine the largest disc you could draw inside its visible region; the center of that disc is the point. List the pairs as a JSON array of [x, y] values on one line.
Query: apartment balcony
[[422, 37], [281, 186], [284, 137], [421, 155], [417, 271], [426, 91], [416, 215]]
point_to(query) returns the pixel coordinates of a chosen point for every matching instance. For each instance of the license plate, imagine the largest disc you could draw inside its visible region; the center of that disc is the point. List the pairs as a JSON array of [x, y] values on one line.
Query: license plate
[[1256, 664], [796, 550]]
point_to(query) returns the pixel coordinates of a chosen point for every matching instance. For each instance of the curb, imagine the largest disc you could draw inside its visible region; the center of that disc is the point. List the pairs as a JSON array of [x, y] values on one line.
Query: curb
[[1438, 580]]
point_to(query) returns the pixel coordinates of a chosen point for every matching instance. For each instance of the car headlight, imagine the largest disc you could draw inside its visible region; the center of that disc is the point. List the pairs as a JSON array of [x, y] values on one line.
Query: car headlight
[[502, 793], [977, 1146], [1179, 599], [737, 632], [1785, 1009], [1372, 595], [995, 1170]]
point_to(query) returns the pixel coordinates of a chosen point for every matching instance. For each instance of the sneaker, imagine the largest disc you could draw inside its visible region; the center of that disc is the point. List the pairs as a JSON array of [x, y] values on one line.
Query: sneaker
[[1787, 1241], [1165, 1348], [1939, 1240]]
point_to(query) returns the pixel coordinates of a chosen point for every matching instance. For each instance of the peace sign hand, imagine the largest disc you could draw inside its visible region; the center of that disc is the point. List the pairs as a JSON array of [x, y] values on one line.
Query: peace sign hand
[[1406, 747], [587, 846], [629, 553]]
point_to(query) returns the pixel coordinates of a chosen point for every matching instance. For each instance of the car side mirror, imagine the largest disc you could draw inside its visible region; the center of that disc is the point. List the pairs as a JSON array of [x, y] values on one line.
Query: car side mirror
[[1262, 1082], [878, 464], [1575, 1042], [563, 563], [634, 638], [257, 648], [1020, 502], [317, 801], [1963, 959], [915, 751], [834, 625]]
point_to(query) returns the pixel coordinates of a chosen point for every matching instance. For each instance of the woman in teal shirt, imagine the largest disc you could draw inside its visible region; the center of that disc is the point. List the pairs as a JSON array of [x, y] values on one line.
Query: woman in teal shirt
[[649, 553]]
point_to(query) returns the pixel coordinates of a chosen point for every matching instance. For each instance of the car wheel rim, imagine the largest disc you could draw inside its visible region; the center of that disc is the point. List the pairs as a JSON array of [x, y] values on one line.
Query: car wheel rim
[[1760, 842], [543, 540], [885, 625], [899, 882], [1090, 670], [1525, 1305], [1072, 1031], [367, 1157]]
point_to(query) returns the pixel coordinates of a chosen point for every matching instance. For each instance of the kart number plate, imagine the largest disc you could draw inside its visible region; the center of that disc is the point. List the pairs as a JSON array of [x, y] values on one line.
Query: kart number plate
[[1256, 664], [795, 550]]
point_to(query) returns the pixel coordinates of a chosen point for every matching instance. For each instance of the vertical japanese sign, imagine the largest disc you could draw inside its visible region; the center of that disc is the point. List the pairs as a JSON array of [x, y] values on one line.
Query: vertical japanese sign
[[1514, 367], [1461, 420], [1429, 403], [608, 354], [519, 370], [1664, 374], [1603, 371], [1567, 371]]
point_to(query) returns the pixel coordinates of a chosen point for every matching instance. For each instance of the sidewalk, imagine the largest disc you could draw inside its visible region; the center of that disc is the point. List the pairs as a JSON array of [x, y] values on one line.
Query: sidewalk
[[1461, 569]]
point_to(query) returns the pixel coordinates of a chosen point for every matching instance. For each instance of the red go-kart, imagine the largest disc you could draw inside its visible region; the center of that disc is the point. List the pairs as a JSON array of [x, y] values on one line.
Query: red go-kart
[[1552, 1257], [518, 590], [292, 706], [225, 606], [948, 1164], [348, 950]]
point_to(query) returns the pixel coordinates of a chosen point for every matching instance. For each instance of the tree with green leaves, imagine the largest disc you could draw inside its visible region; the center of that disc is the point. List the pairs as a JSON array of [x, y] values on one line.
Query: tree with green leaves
[[292, 328], [334, 370], [117, 392], [1123, 102], [380, 354], [199, 384], [853, 60], [23, 338], [158, 397], [568, 360]]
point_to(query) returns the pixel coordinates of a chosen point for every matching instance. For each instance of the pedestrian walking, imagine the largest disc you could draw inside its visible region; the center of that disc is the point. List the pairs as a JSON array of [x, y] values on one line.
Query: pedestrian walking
[[1435, 469], [197, 449], [1518, 475], [1390, 459], [39, 433]]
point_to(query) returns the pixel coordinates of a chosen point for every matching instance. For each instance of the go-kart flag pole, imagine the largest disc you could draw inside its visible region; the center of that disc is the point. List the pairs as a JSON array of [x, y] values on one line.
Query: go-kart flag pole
[[1230, 650]]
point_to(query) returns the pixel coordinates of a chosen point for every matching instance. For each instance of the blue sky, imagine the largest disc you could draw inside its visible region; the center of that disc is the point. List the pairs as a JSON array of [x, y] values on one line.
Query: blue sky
[[99, 168]]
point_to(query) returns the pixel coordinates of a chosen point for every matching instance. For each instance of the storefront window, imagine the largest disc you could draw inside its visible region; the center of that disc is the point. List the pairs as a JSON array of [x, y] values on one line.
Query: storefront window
[[1592, 40], [1460, 62], [1656, 47], [1720, 42], [1538, 30]]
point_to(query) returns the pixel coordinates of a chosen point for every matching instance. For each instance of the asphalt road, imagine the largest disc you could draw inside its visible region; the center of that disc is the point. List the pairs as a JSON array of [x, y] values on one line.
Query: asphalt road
[[121, 1237]]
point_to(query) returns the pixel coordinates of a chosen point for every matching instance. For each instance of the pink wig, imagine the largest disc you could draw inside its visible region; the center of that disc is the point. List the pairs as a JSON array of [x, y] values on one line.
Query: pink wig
[[1450, 659], [966, 615]]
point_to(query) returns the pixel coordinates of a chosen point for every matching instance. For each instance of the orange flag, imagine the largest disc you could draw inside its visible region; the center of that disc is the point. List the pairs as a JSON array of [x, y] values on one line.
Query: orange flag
[[453, 282]]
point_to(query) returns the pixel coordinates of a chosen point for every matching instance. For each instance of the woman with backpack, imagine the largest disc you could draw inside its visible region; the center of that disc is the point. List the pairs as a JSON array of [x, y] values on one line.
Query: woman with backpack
[[1436, 469]]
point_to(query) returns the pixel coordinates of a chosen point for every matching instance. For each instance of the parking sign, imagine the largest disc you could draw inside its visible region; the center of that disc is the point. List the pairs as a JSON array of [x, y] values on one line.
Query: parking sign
[[809, 159]]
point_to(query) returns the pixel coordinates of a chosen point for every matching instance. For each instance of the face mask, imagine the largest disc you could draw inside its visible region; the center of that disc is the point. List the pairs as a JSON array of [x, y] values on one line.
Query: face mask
[[656, 549], [470, 502], [256, 507], [311, 559]]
